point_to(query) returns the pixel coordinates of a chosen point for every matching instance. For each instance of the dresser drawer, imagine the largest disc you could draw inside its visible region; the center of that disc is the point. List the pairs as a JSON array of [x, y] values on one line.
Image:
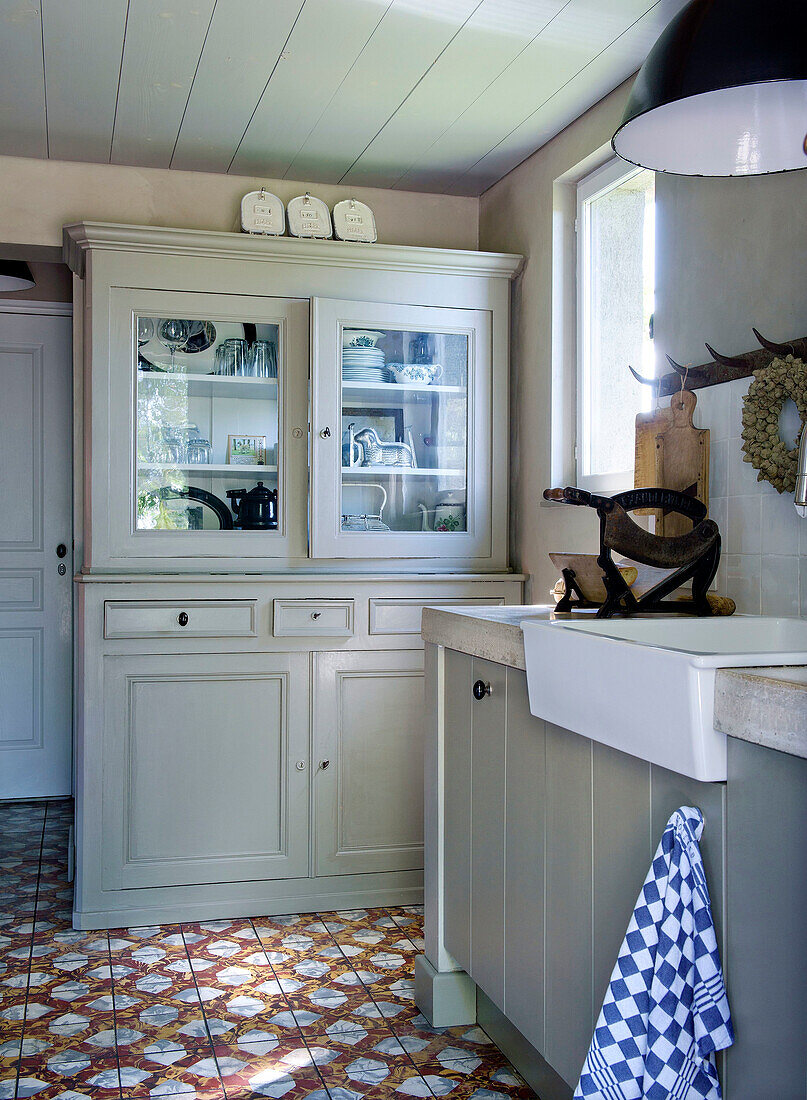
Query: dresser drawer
[[389, 615], [313, 619], [168, 619]]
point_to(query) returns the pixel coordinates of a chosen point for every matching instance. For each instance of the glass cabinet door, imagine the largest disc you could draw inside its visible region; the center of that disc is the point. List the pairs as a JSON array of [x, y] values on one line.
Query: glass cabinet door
[[209, 466], [401, 431]]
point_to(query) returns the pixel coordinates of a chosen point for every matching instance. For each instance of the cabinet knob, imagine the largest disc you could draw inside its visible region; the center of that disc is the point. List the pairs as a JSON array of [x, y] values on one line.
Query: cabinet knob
[[182, 618], [481, 689], [324, 764], [325, 433], [61, 550]]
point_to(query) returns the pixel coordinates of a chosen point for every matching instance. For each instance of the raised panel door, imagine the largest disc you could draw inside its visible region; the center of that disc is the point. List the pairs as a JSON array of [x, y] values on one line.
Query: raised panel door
[[368, 715], [35, 556], [206, 771]]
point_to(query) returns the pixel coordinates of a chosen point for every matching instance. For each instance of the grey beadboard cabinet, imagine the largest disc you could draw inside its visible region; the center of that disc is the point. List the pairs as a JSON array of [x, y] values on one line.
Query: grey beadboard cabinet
[[538, 841]]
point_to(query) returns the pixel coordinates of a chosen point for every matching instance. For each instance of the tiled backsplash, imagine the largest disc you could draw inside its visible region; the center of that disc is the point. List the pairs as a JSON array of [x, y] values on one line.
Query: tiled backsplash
[[764, 560]]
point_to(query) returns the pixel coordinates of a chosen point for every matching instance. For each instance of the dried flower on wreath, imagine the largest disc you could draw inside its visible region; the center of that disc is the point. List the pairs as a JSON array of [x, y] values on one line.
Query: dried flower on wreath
[[763, 447]]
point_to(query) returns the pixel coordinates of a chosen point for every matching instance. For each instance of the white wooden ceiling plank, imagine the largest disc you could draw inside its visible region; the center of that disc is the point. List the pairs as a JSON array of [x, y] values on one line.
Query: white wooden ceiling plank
[[327, 38], [23, 124], [243, 45], [404, 46], [160, 54], [83, 42], [582, 30], [496, 33], [613, 65]]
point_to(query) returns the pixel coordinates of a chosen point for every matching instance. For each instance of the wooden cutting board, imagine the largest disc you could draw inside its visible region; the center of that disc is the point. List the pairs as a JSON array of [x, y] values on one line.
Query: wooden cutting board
[[673, 454]]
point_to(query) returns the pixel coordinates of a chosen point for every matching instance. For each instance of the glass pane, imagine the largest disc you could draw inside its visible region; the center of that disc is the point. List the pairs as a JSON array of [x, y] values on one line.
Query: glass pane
[[404, 430], [207, 424], [619, 281]]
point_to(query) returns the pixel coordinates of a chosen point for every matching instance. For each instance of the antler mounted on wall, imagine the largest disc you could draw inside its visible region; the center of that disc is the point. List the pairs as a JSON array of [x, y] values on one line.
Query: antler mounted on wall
[[723, 368]]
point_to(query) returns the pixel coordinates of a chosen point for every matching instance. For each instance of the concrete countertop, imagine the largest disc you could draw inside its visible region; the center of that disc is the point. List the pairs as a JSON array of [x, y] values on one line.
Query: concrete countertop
[[767, 706]]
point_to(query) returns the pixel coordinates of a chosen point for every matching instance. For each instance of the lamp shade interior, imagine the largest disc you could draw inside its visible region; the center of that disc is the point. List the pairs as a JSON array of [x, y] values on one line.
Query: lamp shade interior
[[740, 131], [15, 275]]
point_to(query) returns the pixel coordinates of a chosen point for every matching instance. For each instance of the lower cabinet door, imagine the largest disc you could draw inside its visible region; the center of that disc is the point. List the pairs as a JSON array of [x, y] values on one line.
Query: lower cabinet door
[[206, 769], [457, 705], [488, 799], [369, 735]]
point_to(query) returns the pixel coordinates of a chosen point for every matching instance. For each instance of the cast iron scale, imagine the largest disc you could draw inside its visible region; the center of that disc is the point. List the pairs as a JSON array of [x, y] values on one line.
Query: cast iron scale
[[693, 556]]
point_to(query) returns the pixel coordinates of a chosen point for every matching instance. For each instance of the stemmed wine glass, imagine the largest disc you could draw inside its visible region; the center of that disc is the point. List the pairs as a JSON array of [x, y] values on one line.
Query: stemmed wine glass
[[174, 334]]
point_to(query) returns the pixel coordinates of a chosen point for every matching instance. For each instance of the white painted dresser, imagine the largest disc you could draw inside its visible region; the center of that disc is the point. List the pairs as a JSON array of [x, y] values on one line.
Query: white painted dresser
[[249, 700]]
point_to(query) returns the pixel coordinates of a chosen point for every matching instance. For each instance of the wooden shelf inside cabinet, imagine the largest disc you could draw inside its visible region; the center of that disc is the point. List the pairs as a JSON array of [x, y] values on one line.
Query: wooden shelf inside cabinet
[[394, 392], [210, 469], [402, 471], [215, 385]]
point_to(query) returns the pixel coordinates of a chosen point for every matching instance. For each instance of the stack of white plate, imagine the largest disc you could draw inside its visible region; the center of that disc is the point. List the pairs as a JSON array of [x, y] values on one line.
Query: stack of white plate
[[364, 365]]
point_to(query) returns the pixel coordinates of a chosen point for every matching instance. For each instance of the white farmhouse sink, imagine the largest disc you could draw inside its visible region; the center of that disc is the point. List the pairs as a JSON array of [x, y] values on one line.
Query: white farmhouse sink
[[646, 686]]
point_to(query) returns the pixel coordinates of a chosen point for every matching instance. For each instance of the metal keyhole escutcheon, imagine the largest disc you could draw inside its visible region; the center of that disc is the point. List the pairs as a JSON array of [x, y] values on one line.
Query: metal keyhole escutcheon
[[325, 433], [481, 689], [324, 764]]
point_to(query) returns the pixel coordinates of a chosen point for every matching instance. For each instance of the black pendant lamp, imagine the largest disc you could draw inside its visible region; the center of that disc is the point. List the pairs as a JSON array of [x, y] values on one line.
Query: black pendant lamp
[[15, 275], [723, 92]]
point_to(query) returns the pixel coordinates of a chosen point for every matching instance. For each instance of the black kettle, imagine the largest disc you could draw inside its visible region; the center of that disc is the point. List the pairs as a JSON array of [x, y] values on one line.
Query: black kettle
[[255, 510]]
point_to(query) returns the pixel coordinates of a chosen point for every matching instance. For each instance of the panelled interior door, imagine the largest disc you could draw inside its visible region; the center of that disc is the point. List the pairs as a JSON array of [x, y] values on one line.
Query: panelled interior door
[[35, 555], [369, 743]]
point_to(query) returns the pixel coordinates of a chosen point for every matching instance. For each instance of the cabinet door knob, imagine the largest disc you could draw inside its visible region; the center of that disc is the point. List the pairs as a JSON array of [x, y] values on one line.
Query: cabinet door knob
[[324, 764], [481, 689], [61, 550], [182, 618], [325, 433]]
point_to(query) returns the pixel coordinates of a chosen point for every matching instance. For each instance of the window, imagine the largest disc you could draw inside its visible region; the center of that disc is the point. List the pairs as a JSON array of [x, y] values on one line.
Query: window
[[615, 290]]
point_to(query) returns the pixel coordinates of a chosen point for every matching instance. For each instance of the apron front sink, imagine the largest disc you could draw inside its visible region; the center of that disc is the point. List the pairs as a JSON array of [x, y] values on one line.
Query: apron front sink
[[646, 685]]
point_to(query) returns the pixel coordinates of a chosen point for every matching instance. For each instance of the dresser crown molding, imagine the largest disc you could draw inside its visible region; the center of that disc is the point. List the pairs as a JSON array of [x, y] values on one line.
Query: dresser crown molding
[[83, 236]]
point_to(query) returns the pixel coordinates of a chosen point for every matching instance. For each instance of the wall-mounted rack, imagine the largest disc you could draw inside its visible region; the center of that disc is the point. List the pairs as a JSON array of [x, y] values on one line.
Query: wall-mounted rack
[[722, 368]]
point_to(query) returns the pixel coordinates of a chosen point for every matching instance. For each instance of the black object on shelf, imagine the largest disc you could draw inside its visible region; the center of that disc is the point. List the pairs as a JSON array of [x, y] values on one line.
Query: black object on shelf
[[693, 556], [255, 510]]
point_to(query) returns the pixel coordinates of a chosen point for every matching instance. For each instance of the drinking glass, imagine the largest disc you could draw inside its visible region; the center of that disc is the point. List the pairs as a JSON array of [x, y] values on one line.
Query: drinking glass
[[145, 330], [174, 334], [263, 359]]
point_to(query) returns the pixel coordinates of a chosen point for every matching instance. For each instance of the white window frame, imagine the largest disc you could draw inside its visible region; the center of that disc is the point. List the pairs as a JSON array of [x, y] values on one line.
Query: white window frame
[[590, 187]]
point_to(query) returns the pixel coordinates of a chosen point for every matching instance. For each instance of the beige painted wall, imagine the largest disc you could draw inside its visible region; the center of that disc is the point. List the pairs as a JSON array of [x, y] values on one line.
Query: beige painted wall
[[41, 196], [518, 215], [729, 254]]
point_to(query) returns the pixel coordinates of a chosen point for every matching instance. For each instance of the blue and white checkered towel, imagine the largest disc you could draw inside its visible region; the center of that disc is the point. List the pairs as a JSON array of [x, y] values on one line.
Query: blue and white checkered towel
[[666, 1010]]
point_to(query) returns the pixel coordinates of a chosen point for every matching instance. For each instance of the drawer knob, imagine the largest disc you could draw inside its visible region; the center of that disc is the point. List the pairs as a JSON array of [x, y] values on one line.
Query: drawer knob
[[182, 618], [481, 689], [316, 614]]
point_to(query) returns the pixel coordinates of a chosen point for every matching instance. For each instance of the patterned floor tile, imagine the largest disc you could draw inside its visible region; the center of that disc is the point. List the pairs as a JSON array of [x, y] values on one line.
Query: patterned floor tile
[[373, 1076], [425, 1044], [172, 1073], [49, 1079]]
